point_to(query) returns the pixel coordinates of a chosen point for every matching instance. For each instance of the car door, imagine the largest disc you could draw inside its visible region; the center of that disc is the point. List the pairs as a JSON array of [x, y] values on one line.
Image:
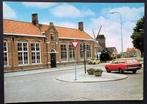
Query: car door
[[114, 65]]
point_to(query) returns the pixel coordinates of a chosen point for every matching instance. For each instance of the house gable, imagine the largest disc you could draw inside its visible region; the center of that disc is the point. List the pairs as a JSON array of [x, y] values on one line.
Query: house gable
[[51, 33], [52, 37]]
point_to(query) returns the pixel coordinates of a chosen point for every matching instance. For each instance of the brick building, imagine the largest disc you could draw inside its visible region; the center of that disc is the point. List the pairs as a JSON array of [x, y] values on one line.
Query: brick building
[[30, 45]]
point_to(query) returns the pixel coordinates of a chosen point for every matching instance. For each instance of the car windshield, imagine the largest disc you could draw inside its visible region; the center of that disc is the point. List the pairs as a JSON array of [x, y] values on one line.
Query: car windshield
[[122, 61], [131, 61], [114, 62], [118, 61]]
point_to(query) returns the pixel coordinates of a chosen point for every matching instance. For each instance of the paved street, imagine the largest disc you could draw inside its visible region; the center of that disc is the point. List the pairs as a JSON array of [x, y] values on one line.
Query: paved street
[[43, 86]]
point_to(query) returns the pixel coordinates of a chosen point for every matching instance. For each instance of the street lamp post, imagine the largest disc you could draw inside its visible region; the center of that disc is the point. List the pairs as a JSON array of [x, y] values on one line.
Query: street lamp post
[[121, 31]]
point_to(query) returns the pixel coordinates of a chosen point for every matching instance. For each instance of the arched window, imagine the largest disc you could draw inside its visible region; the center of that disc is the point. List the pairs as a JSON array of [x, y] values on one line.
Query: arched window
[[53, 51]]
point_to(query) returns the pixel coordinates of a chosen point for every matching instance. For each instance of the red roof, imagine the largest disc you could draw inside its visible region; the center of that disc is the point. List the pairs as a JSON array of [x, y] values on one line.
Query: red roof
[[17, 27], [26, 28]]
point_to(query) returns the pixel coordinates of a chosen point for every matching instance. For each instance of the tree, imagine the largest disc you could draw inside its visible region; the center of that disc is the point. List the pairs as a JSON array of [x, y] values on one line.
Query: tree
[[138, 35], [104, 56]]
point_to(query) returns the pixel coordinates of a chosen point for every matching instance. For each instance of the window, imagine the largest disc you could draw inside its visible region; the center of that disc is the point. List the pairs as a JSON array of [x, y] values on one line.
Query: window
[[5, 48], [82, 50], [71, 52], [35, 49], [63, 52], [88, 51], [114, 62], [131, 61], [22, 52], [52, 36]]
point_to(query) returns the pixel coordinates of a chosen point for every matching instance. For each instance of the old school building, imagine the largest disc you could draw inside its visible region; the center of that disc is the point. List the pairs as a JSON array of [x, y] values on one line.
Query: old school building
[[30, 45]]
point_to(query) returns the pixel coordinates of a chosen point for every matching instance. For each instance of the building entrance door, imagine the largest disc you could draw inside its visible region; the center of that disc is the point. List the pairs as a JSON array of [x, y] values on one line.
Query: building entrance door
[[53, 59]]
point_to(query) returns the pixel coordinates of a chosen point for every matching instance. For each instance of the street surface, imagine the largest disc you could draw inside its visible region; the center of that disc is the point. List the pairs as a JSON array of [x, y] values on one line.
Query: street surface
[[42, 87]]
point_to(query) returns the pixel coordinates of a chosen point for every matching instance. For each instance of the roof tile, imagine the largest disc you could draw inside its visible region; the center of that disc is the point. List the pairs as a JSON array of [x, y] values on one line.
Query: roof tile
[[19, 27]]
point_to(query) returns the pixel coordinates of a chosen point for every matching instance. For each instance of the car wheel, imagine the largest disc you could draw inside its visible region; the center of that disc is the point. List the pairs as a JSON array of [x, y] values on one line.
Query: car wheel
[[134, 71], [108, 70]]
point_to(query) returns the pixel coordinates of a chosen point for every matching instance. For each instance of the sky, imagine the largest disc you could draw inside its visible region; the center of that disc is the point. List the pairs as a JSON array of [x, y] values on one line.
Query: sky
[[93, 15]]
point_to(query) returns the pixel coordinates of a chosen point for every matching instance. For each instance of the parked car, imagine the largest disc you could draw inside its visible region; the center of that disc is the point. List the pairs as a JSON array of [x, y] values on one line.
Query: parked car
[[141, 60], [123, 64], [93, 61]]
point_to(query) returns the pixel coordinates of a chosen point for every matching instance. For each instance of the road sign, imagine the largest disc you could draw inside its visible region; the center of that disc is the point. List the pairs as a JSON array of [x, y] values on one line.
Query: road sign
[[75, 43]]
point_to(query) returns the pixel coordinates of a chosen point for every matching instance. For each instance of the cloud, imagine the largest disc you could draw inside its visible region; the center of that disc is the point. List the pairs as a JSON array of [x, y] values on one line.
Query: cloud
[[62, 24], [112, 31], [67, 24], [128, 13], [67, 10], [39, 4], [8, 12], [87, 12], [111, 25]]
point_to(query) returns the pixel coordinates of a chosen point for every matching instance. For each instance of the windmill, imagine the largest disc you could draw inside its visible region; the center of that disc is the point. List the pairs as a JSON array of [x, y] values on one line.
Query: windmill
[[98, 32], [98, 44], [98, 35], [95, 38]]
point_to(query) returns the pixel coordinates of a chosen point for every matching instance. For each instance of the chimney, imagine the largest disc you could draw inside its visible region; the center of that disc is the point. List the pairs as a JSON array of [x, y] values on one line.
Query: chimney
[[81, 27], [35, 19], [51, 24]]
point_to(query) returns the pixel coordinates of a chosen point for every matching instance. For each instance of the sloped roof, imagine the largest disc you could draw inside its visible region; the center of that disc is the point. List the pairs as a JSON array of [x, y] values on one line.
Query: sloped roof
[[131, 49], [19, 27], [111, 49]]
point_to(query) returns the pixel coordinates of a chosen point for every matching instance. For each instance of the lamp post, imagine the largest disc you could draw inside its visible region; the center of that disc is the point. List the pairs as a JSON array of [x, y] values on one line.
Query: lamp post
[[121, 31]]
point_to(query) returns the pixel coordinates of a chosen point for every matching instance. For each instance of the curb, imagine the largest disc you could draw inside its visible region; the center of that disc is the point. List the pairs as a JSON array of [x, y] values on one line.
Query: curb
[[90, 79], [30, 72]]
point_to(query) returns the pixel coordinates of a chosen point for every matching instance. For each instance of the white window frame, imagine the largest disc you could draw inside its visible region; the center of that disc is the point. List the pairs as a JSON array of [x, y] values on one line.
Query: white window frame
[[72, 53], [82, 58], [66, 60], [88, 50], [23, 64], [36, 51], [7, 54]]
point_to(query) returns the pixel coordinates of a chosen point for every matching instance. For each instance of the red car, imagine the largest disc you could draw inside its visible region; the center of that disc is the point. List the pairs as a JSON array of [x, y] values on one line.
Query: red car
[[123, 64]]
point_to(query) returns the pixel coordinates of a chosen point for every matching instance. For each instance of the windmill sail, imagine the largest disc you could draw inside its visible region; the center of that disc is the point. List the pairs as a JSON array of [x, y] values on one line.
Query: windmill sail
[[93, 33], [99, 30]]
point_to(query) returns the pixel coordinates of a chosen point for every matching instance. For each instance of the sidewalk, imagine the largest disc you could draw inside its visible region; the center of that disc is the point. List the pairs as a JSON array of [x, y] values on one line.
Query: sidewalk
[[69, 67]]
